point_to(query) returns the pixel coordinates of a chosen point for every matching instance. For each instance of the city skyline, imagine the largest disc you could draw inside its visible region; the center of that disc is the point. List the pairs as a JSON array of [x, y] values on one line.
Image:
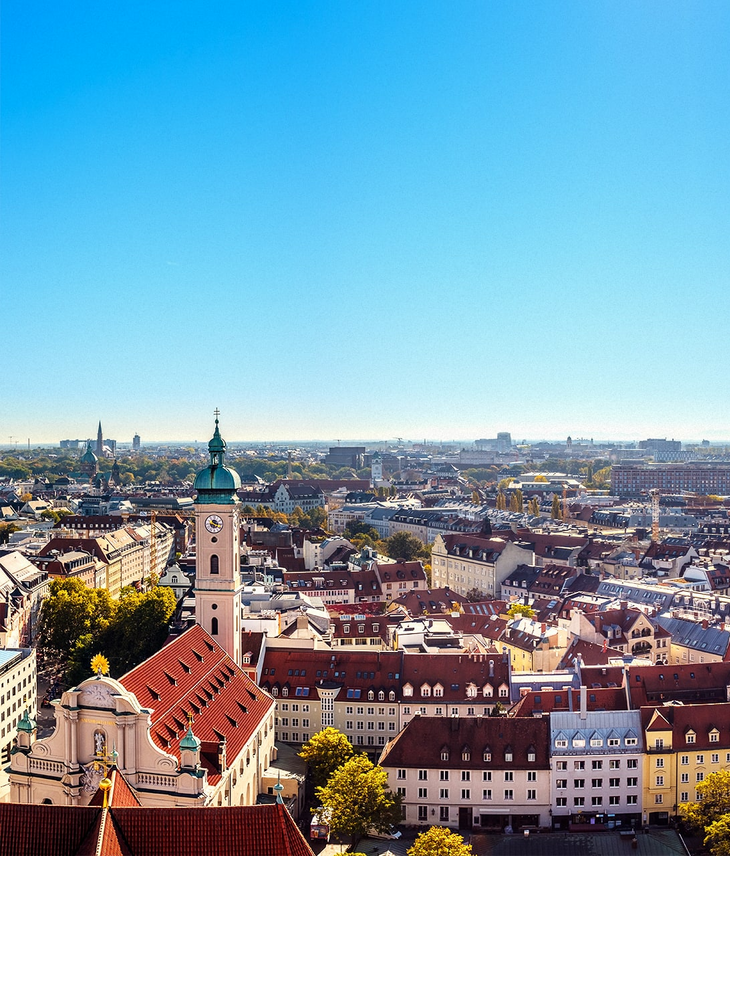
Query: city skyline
[[337, 221]]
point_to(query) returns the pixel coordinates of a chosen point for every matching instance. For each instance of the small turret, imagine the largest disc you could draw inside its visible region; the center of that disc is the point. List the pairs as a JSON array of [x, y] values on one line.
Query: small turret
[[27, 731]]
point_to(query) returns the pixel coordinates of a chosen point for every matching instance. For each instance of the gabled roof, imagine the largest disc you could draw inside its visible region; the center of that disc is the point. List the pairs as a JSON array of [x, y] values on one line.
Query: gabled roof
[[424, 740], [40, 830], [192, 674]]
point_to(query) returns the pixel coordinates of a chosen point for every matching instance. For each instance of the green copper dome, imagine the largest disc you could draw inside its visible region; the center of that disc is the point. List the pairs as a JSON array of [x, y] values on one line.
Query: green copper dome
[[189, 742], [26, 722], [89, 456], [217, 483]]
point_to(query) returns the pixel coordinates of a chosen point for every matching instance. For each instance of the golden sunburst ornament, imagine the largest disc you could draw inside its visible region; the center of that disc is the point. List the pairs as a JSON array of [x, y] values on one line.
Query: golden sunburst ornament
[[100, 665]]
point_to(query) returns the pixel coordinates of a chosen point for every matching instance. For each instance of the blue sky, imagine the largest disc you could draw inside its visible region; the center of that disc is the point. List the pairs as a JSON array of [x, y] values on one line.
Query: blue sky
[[364, 220]]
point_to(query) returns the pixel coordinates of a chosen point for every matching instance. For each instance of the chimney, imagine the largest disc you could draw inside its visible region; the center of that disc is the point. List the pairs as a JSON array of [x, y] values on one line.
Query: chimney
[[705, 625], [583, 702], [624, 605]]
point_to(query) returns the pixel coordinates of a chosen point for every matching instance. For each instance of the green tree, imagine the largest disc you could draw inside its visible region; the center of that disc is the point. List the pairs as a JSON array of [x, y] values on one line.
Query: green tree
[[520, 610], [325, 752], [72, 619], [504, 483], [403, 545], [602, 478], [358, 798], [139, 628], [439, 842], [6, 530]]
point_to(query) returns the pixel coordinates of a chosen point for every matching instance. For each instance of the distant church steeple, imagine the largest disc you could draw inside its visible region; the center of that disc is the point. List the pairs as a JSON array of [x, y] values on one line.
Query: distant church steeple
[[99, 442]]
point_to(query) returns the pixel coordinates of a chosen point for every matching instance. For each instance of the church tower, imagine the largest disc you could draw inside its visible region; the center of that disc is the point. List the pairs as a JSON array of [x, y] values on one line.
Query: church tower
[[99, 441], [217, 550]]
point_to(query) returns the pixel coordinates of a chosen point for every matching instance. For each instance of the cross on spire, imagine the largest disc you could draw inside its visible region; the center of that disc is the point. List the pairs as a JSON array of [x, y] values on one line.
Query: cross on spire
[[216, 412]]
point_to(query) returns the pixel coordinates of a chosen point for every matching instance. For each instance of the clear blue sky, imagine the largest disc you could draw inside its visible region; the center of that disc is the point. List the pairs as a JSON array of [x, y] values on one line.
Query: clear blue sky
[[365, 219]]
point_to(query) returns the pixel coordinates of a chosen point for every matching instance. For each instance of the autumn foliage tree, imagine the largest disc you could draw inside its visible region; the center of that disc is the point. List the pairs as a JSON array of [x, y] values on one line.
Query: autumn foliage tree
[[439, 842], [357, 799], [711, 812], [325, 752]]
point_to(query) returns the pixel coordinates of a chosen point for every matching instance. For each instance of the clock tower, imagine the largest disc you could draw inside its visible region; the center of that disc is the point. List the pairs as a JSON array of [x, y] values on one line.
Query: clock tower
[[217, 550]]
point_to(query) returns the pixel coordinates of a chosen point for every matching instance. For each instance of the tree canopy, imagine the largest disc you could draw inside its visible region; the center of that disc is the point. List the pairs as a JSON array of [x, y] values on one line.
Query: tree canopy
[[76, 622], [403, 545], [439, 842], [713, 802], [358, 799], [521, 610], [325, 752]]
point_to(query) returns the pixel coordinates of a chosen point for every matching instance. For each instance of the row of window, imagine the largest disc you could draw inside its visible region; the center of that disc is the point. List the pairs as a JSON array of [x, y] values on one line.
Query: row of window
[[471, 690], [596, 765], [597, 801], [466, 794], [597, 742], [465, 775], [613, 783]]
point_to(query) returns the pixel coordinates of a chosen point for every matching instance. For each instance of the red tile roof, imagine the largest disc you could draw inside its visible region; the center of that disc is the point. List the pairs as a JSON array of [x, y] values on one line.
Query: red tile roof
[[305, 669], [267, 830], [192, 674], [697, 718], [424, 741]]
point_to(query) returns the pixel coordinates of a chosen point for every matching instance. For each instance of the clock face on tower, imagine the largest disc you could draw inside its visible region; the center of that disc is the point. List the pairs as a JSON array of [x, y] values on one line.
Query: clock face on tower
[[214, 523]]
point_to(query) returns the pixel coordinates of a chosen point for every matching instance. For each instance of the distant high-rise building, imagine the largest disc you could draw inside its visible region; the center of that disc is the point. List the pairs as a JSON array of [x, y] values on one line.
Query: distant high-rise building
[[136, 443]]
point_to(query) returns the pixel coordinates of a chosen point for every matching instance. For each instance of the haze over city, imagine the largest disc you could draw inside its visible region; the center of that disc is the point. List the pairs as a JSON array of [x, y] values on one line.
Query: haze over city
[[424, 220]]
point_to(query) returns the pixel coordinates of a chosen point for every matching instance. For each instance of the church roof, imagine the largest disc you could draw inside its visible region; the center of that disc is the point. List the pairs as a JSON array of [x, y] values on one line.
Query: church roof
[[41, 830], [192, 674], [217, 483], [89, 456]]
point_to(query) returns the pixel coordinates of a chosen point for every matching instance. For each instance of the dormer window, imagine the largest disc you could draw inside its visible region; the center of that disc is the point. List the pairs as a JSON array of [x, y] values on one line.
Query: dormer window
[[285, 691], [438, 690], [381, 695], [487, 754], [488, 690], [503, 691], [714, 736], [444, 754], [425, 690], [531, 753], [465, 754], [275, 691], [371, 694], [471, 690], [407, 689], [391, 695], [508, 753], [690, 737]]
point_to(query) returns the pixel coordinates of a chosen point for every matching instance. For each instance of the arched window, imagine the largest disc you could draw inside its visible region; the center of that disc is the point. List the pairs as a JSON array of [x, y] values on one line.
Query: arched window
[[214, 626], [214, 565]]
